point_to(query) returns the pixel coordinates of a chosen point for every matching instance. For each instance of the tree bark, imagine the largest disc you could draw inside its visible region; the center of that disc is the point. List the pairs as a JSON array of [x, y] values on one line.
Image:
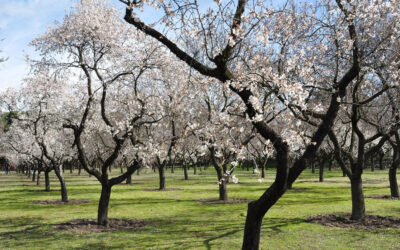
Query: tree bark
[[102, 212], [185, 172], [60, 177], [172, 169], [223, 192], [321, 171], [129, 179], [194, 169], [357, 198], [38, 179], [313, 168], [161, 175], [34, 175], [394, 188], [47, 181]]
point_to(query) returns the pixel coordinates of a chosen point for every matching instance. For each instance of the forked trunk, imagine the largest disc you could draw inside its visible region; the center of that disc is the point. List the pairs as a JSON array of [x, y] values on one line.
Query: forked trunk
[[357, 198], [102, 212], [47, 181], [161, 175]]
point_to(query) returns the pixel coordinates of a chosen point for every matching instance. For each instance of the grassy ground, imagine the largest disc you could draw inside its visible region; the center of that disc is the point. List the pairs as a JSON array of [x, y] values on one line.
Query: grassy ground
[[179, 221]]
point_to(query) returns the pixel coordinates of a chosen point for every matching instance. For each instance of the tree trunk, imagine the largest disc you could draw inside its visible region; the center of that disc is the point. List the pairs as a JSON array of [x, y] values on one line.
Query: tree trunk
[[223, 192], [194, 169], [185, 171], [372, 165], [38, 179], [321, 172], [313, 168], [70, 168], [129, 179], [172, 169], [80, 169], [255, 213], [394, 188], [381, 166], [47, 181], [102, 212], [138, 171], [60, 177], [34, 175], [330, 165], [161, 175], [357, 198]]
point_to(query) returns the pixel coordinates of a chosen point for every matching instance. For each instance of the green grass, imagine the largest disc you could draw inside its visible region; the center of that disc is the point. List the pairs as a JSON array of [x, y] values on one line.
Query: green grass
[[178, 221]]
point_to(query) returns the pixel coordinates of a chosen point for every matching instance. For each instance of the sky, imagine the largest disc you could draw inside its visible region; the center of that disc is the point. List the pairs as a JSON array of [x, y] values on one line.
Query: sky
[[20, 22]]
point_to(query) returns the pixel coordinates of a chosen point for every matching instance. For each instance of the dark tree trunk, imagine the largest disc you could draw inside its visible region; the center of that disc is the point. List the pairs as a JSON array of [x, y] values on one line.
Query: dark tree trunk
[[38, 179], [372, 164], [394, 188], [138, 171], [313, 168], [34, 175], [47, 181], [194, 169], [80, 169], [129, 179], [321, 172], [29, 173], [357, 198], [71, 166], [102, 212], [223, 192], [185, 172], [381, 166], [330, 165], [172, 169], [255, 213], [60, 177], [344, 173], [161, 175]]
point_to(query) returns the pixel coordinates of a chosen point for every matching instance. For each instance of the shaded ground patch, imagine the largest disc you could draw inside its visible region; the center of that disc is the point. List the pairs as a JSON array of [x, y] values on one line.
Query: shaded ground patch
[[382, 197], [298, 189], [370, 222], [43, 190], [59, 202], [161, 190], [90, 225], [217, 201]]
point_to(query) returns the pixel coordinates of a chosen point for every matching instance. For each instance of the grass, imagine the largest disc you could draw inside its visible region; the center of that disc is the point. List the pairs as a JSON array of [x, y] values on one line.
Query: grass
[[179, 221]]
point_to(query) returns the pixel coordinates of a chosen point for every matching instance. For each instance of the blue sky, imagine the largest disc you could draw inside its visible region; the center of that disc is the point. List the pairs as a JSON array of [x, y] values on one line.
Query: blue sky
[[21, 21]]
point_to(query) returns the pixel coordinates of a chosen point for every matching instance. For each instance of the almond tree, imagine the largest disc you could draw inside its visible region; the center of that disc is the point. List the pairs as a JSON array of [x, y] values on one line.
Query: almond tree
[[256, 50]]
